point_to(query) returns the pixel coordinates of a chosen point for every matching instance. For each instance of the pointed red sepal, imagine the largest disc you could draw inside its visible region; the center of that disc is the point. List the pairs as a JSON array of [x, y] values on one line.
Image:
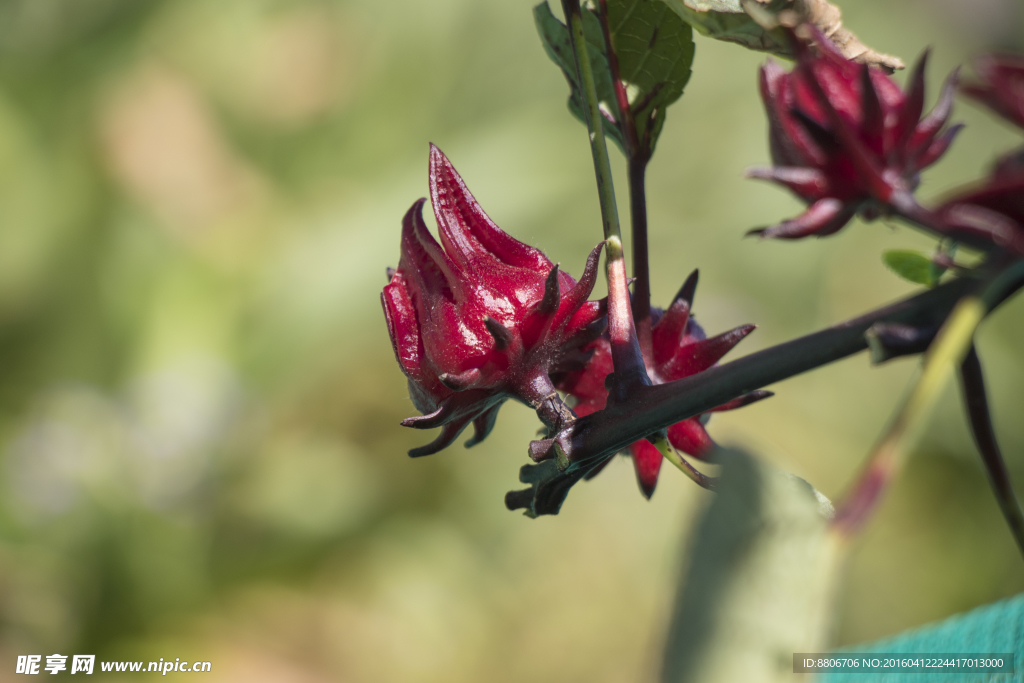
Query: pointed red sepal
[[536, 323], [575, 298], [469, 233], [939, 145], [823, 217], [1001, 86], [503, 337], [552, 293], [422, 258], [992, 212], [690, 437], [872, 117], [932, 123], [590, 313], [804, 182], [679, 349], [668, 333], [701, 355], [647, 463], [910, 114], [461, 381]]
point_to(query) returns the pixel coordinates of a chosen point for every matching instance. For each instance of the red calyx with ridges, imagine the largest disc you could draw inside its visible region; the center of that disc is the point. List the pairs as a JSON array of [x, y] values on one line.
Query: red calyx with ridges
[[1000, 85], [845, 138], [480, 317], [992, 211], [680, 349]]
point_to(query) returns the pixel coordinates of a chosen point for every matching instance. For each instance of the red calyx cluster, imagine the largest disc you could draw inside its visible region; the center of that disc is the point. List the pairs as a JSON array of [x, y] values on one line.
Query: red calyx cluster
[[680, 349], [483, 318], [845, 138], [1001, 85], [993, 211]]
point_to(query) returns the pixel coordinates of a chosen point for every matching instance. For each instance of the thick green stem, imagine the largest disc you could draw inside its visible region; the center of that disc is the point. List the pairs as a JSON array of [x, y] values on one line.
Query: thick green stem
[[598, 146], [629, 366], [637, 156]]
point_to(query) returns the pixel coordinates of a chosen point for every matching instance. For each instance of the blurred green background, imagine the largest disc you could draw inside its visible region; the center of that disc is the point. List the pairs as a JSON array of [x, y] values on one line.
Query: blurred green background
[[199, 405]]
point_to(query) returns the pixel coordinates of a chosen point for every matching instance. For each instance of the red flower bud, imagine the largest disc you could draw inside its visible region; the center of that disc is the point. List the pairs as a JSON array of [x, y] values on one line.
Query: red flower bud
[[1001, 86], [845, 138], [991, 212], [680, 349], [481, 319]]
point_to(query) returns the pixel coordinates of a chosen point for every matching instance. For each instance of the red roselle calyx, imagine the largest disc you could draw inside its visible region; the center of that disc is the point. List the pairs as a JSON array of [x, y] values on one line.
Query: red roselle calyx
[[482, 318], [1001, 88], [993, 210], [845, 138], [680, 349], [1001, 85]]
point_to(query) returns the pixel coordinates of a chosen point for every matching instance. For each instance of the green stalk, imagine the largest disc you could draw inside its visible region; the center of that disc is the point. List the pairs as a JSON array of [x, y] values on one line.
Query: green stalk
[[637, 156], [598, 146], [630, 370], [945, 357], [677, 459]]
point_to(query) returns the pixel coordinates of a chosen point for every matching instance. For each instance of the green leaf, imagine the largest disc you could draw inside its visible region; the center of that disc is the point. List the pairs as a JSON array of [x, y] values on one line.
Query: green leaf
[[758, 582], [913, 266], [555, 37], [726, 20], [655, 51]]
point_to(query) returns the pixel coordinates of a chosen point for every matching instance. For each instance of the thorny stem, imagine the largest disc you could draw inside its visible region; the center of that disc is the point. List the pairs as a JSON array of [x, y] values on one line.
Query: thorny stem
[[972, 384], [628, 360], [603, 433], [592, 439]]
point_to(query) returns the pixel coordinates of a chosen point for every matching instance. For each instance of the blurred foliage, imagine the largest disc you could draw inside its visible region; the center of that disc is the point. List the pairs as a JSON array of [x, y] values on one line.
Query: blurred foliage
[[758, 581], [654, 50], [199, 406], [913, 266]]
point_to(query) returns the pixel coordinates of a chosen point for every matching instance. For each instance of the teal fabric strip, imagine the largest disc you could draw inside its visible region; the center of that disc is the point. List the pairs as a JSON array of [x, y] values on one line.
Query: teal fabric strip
[[998, 627]]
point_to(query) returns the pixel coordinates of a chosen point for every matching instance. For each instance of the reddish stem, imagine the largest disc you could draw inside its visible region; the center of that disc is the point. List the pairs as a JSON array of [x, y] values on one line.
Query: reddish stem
[[972, 383], [637, 158]]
